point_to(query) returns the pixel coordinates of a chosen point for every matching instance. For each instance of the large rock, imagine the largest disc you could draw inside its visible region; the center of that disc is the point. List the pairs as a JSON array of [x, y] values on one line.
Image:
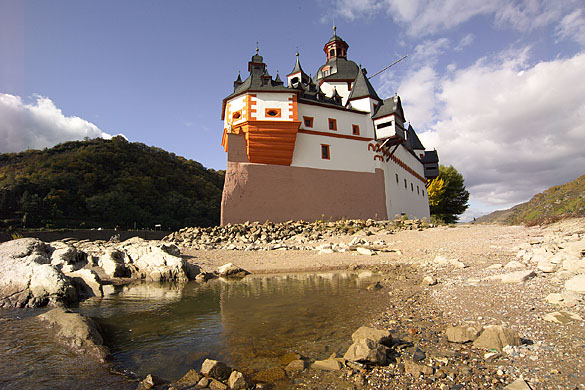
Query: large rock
[[330, 364], [517, 277], [518, 384], [562, 317], [230, 270], [237, 381], [78, 332], [88, 283], [462, 334], [381, 336], [497, 337], [112, 262], [367, 351], [215, 369], [565, 298], [576, 284], [417, 370], [27, 279]]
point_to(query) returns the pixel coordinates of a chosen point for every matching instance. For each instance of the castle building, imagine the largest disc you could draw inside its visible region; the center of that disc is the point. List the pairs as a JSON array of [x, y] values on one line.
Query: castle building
[[320, 147]]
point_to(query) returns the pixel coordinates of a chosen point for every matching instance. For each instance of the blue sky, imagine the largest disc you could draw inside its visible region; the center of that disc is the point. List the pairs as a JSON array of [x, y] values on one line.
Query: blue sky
[[496, 87]]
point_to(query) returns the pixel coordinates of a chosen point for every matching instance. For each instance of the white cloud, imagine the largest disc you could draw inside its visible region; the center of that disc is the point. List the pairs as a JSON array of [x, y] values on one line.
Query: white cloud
[[419, 88], [424, 17], [464, 42], [511, 129], [572, 26], [39, 124]]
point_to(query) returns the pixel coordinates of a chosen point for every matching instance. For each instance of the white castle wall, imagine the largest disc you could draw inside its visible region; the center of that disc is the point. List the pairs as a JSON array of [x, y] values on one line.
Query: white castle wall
[[345, 154], [341, 86], [273, 100], [236, 104], [410, 200], [344, 119]]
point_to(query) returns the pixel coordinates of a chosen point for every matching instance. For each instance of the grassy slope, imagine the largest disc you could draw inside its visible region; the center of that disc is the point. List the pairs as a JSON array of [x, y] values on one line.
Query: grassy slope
[[558, 202]]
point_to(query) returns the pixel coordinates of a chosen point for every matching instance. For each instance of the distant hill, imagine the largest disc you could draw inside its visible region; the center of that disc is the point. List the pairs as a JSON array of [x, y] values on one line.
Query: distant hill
[[107, 183], [558, 202]]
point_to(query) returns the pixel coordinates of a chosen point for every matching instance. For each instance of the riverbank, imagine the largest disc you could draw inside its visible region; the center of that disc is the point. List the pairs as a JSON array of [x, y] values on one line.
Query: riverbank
[[474, 276], [484, 275]]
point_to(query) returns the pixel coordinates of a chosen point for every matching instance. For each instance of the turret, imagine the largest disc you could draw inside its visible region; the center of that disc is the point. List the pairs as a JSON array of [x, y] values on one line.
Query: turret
[[297, 75]]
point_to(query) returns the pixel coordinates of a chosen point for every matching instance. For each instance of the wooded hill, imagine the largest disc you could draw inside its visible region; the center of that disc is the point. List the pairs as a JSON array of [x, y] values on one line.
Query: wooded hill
[[107, 183], [558, 202]]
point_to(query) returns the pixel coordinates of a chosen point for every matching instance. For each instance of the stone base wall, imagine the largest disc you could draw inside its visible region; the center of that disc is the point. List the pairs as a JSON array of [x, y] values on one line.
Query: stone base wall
[[259, 192]]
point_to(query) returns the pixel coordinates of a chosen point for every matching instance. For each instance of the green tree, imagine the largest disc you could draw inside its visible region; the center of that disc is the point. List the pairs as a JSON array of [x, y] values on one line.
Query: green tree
[[453, 200]]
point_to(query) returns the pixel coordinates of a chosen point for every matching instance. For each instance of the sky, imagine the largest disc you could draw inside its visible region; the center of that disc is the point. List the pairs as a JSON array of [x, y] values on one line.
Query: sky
[[496, 87]]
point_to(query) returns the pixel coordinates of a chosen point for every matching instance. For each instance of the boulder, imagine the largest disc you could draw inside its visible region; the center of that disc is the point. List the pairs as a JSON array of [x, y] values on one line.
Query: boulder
[[416, 370], [28, 279], [576, 284], [237, 381], [295, 366], [330, 364], [149, 382], [565, 298], [381, 336], [214, 384], [429, 281], [514, 265], [189, 380], [365, 251], [112, 262], [215, 369], [367, 351], [574, 265], [497, 337], [562, 317], [230, 270], [88, 283], [517, 277], [80, 333], [156, 261], [462, 334], [518, 384], [546, 266]]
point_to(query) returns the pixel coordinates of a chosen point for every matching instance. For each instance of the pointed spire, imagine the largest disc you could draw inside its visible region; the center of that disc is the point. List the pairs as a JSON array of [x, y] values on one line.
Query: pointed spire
[[238, 81], [278, 81], [298, 69]]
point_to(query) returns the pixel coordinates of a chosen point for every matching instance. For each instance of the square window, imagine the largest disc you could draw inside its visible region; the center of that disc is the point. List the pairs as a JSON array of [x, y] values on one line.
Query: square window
[[325, 155], [355, 129], [332, 124], [308, 120]]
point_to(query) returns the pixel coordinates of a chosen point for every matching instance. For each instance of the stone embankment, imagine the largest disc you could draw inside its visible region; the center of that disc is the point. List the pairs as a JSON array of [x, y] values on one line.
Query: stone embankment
[[36, 274], [287, 235]]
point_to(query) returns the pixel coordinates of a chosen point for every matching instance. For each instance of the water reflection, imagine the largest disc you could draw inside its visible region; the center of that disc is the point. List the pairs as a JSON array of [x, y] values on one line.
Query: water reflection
[[249, 324]]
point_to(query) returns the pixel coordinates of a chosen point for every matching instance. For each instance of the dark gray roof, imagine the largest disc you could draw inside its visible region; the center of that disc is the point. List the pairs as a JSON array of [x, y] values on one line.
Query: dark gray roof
[[413, 140], [362, 87], [430, 157], [389, 106], [341, 69], [298, 69]]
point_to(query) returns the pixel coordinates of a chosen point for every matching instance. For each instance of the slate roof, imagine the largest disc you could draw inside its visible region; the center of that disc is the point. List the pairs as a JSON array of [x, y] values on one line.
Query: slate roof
[[362, 87], [389, 106], [341, 69], [413, 140], [430, 157]]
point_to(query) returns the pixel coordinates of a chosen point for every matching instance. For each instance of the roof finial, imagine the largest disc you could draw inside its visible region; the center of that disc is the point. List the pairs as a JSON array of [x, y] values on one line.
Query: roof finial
[[334, 28], [257, 50], [297, 51]]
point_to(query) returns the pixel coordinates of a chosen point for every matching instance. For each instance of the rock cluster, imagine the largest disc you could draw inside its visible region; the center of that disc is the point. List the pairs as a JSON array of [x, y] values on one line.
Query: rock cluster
[[213, 375], [37, 274], [286, 235]]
